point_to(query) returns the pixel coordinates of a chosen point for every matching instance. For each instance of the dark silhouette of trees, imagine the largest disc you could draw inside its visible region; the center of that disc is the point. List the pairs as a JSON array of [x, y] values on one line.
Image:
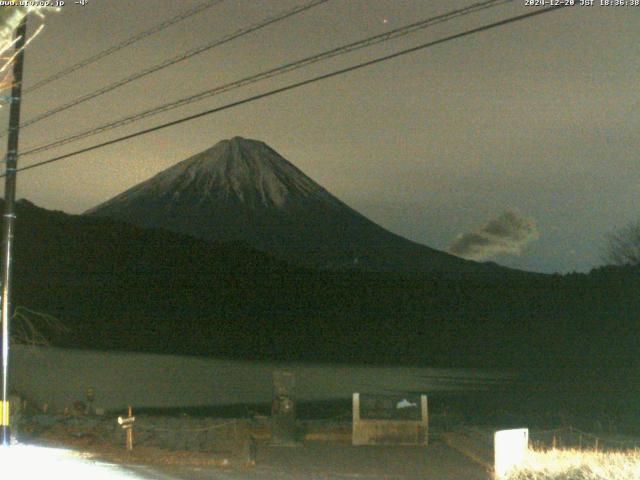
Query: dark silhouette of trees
[[623, 245]]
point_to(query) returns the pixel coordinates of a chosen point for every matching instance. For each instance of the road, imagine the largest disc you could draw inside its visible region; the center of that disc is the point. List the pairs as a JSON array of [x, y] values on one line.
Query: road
[[323, 461], [312, 460]]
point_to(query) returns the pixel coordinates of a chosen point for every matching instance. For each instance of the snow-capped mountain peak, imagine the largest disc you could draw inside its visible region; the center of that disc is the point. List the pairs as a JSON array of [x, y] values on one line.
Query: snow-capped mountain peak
[[238, 170], [243, 190]]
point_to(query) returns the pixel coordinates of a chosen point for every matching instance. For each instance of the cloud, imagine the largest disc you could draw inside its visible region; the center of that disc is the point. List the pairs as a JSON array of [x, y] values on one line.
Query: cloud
[[506, 234]]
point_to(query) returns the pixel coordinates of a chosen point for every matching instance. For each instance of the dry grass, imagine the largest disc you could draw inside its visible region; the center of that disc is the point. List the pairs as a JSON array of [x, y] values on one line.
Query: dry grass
[[578, 465]]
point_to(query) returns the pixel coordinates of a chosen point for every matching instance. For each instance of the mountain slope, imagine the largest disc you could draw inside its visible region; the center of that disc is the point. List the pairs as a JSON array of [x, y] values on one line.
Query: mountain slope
[[243, 190]]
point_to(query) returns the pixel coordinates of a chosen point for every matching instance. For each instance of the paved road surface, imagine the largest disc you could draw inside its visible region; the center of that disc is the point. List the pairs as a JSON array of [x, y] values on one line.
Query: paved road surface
[[335, 462]]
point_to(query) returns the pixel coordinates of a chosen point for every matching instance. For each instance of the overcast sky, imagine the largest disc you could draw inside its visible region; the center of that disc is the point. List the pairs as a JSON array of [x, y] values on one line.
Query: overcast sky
[[539, 117]]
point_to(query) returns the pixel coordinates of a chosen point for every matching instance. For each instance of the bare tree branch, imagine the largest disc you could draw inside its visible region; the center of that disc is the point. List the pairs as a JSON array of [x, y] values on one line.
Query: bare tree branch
[[623, 246], [32, 327]]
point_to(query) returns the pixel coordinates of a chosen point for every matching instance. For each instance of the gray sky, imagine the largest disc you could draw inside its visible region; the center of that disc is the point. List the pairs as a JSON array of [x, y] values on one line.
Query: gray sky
[[539, 117]]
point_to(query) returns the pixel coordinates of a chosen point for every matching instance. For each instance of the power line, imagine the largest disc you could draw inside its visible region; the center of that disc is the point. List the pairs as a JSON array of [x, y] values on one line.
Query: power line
[[126, 43], [172, 61], [280, 70], [295, 85]]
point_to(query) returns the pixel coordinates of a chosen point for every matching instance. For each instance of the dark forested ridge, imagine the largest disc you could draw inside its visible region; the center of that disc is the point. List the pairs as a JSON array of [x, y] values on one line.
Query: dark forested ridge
[[116, 286]]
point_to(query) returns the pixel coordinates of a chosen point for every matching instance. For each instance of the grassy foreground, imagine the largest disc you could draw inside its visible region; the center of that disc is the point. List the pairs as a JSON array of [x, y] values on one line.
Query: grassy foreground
[[578, 465]]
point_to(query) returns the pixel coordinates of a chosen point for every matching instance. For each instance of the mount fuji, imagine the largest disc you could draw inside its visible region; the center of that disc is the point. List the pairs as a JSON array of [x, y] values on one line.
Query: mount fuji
[[243, 190]]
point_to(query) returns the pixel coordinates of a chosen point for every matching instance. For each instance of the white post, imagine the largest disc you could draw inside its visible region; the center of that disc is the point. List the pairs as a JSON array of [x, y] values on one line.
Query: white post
[[510, 449]]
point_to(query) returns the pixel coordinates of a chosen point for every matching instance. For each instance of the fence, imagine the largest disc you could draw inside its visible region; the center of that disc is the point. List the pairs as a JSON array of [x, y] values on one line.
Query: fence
[[191, 434], [180, 433]]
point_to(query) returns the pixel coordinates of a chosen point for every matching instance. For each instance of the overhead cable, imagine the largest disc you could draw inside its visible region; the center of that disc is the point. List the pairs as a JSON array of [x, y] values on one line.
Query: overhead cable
[[126, 43], [172, 61], [292, 86], [273, 72]]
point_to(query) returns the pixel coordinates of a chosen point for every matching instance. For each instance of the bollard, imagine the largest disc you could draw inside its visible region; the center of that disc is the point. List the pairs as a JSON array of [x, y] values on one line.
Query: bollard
[[127, 425], [252, 449], [510, 449]]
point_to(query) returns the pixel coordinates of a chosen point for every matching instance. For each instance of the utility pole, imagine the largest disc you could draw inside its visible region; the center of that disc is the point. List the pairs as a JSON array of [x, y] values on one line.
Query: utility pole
[[9, 219]]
